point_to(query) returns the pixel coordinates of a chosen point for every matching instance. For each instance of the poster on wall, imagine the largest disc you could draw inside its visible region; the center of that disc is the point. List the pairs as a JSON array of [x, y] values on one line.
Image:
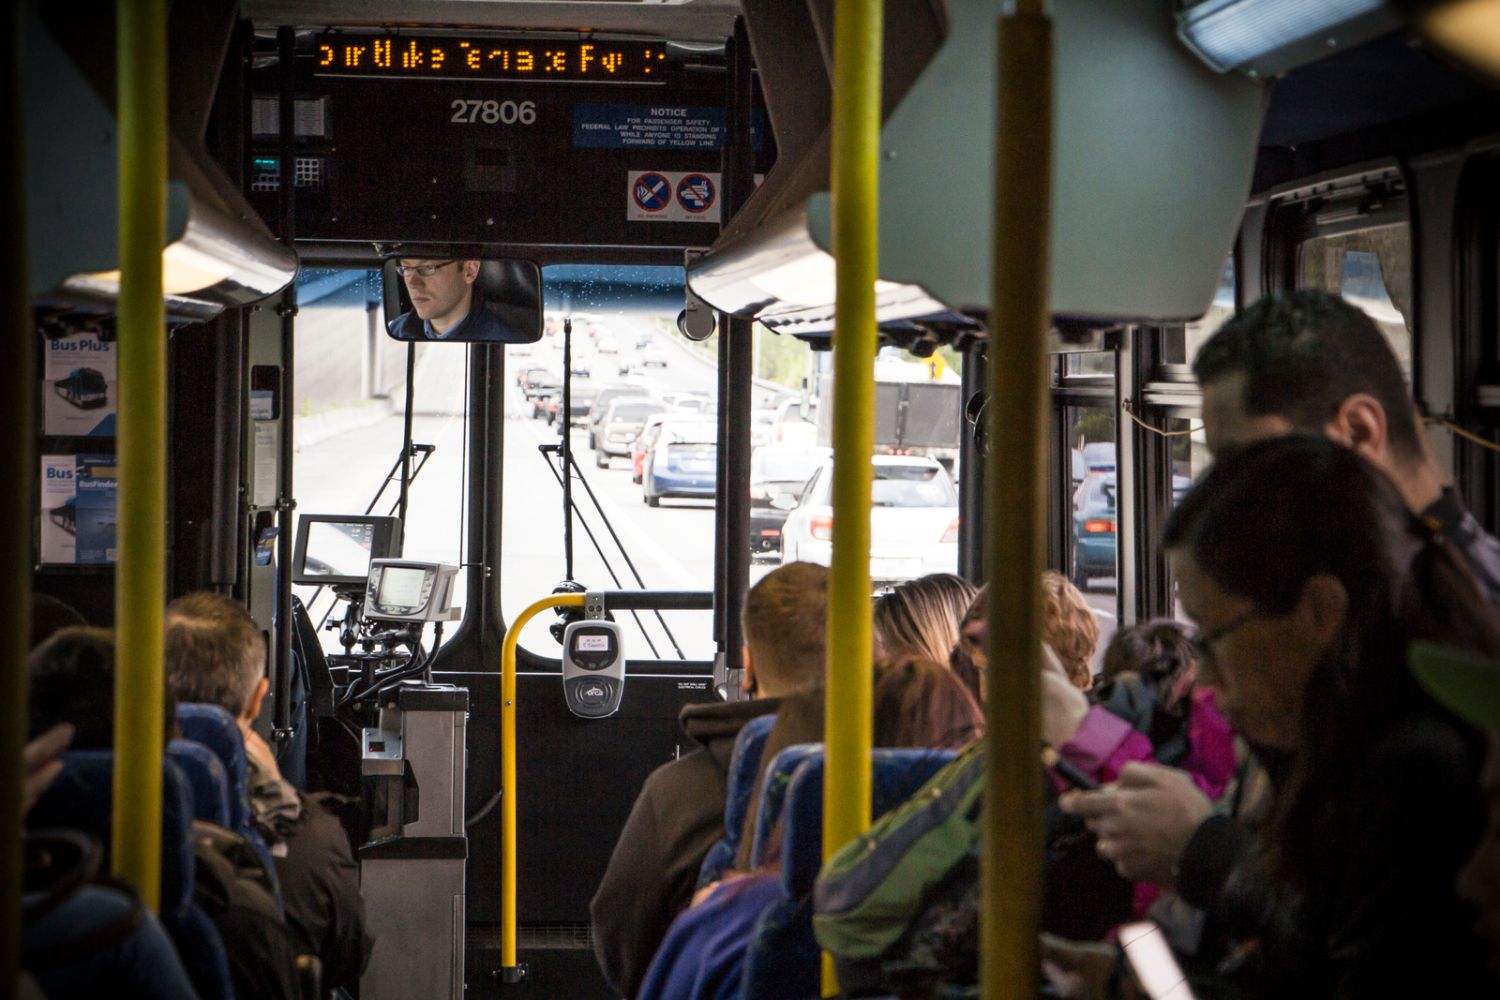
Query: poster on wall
[[79, 386], [78, 509]]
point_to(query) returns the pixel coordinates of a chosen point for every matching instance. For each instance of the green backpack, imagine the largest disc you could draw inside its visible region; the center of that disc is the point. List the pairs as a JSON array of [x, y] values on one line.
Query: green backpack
[[870, 892]]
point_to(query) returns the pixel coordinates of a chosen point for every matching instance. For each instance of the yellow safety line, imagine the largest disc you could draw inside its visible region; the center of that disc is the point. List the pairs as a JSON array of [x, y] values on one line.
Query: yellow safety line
[[858, 39], [17, 400], [1015, 521], [140, 577], [508, 769]]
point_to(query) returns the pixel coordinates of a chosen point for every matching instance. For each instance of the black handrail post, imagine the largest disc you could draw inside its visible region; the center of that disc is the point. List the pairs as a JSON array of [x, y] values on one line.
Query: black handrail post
[[737, 360], [285, 505]]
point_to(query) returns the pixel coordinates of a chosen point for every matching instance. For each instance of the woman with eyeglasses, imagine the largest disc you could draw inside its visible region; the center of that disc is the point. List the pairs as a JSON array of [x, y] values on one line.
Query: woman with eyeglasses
[[1308, 579]]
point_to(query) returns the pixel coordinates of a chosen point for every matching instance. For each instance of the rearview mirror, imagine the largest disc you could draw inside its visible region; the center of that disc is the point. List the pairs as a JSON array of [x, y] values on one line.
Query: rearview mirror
[[464, 301]]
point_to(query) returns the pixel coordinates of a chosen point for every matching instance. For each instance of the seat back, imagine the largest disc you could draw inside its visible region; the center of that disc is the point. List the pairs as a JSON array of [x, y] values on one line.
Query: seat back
[[207, 781], [216, 729], [82, 798], [773, 796], [782, 959], [744, 765]]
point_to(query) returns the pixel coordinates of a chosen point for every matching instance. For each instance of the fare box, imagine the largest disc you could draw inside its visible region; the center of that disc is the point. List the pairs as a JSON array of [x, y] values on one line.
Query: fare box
[[78, 510], [80, 386]]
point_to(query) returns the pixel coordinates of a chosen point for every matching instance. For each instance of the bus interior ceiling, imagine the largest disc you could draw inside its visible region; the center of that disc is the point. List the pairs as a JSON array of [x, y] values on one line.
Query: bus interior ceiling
[[539, 171]]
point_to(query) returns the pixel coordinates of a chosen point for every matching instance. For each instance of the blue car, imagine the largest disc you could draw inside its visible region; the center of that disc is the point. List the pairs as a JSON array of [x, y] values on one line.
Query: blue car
[[678, 468], [1094, 532]]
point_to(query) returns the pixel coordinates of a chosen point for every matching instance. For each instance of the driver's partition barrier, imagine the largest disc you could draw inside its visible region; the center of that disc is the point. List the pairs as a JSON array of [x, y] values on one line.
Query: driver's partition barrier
[[638, 600]]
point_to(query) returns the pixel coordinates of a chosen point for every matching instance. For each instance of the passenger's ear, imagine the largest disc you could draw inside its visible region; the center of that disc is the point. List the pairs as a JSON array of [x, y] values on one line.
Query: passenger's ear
[[1321, 608], [252, 710], [747, 682], [1360, 423], [471, 270]]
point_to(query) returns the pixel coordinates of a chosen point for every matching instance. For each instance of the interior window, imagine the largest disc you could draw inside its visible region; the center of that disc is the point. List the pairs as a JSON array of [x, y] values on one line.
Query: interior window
[[1190, 459], [1092, 553], [1370, 268], [1089, 363]]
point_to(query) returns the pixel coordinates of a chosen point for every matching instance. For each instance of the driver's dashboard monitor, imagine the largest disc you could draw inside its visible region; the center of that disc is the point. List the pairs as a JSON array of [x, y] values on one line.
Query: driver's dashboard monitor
[[405, 590], [337, 549]]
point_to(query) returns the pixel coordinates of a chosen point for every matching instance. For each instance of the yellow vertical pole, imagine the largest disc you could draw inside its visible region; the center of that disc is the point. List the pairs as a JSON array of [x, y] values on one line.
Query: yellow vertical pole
[[1015, 505], [18, 501], [510, 972], [140, 577], [858, 37]]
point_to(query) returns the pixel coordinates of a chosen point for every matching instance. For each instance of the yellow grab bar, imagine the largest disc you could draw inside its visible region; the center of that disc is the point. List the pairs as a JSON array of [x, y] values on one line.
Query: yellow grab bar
[[1015, 522], [140, 576], [508, 772], [858, 38]]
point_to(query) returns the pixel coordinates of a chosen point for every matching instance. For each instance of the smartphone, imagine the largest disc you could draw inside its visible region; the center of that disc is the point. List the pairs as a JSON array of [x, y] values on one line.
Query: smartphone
[[1152, 962], [1071, 775]]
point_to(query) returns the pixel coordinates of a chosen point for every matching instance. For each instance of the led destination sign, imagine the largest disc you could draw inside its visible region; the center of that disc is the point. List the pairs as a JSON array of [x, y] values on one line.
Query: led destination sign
[[478, 58]]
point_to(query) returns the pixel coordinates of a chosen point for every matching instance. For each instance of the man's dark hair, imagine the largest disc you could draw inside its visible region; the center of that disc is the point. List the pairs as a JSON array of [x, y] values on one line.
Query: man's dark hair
[[1302, 354], [72, 679], [50, 616]]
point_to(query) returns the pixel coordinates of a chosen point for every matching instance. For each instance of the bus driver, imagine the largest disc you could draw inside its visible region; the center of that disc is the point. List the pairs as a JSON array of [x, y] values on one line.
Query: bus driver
[[445, 302]]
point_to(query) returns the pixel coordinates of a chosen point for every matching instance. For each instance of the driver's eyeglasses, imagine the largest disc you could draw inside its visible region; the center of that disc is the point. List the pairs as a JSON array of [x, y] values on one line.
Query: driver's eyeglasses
[[1203, 642], [422, 270]]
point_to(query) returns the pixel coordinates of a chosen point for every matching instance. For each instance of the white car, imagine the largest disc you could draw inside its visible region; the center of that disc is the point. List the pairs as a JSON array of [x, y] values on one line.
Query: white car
[[608, 344], [913, 520]]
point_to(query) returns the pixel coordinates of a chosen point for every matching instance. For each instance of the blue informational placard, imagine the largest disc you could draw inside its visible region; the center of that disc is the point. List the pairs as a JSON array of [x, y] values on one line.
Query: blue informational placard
[[648, 126]]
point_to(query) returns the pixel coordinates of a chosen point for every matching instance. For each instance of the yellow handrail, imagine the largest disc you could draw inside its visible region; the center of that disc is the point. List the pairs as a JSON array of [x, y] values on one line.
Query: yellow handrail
[[140, 578], [858, 38], [17, 399], [508, 770], [1015, 506]]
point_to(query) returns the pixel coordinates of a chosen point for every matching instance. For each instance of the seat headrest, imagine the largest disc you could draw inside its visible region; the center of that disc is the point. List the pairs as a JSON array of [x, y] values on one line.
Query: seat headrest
[[216, 729], [773, 795], [206, 778], [82, 798], [744, 765], [896, 776]]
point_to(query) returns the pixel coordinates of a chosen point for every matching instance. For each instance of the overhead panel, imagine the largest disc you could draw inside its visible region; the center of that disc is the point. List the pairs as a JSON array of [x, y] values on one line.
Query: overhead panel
[[1153, 155], [537, 142]]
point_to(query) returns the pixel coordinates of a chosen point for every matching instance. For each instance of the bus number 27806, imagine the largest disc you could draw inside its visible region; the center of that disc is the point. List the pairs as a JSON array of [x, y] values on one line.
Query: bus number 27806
[[493, 112]]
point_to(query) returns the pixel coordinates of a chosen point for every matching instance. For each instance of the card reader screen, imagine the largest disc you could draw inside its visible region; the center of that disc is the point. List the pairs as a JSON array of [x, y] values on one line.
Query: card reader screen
[[401, 587], [593, 643]]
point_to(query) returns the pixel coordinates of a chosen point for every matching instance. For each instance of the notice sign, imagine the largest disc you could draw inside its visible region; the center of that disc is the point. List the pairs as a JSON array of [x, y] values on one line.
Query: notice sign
[[648, 126], [78, 509], [79, 386], [671, 196]]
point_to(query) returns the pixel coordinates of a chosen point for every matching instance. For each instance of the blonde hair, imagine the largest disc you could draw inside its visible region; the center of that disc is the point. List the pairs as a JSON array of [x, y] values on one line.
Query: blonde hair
[[920, 617], [1069, 627]]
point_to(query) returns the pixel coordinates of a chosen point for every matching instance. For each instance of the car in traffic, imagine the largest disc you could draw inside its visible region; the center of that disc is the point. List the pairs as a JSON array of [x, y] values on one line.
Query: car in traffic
[[913, 519], [607, 344], [682, 463], [641, 447], [654, 357], [1095, 529], [607, 395], [581, 401], [620, 426], [777, 476]]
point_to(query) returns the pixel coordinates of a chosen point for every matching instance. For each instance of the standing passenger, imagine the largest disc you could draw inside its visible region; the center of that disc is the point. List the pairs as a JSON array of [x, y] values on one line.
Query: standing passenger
[[920, 617], [679, 813]]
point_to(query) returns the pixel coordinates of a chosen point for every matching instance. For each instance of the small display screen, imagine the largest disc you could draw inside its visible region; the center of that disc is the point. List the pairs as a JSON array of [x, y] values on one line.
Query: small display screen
[[592, 643], [455, 57], [401, 587], [336, 548]]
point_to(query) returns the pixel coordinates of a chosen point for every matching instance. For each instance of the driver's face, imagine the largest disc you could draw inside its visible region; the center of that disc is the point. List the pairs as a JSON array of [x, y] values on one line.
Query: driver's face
[[442, 293]]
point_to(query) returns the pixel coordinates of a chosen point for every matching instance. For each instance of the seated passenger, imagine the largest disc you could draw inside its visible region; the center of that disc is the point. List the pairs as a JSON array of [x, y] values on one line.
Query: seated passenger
[[1069, 628], [216, 654], [1309, 580], [71, 680], [920, 618], [679, 813], [1149, 679], [444, 302], [917, 703]]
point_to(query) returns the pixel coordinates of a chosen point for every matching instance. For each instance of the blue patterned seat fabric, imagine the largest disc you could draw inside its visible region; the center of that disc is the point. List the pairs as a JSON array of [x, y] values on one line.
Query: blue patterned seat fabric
[[783, 955], [744, 765], [82, 799], [206, 779], [773, 796]]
